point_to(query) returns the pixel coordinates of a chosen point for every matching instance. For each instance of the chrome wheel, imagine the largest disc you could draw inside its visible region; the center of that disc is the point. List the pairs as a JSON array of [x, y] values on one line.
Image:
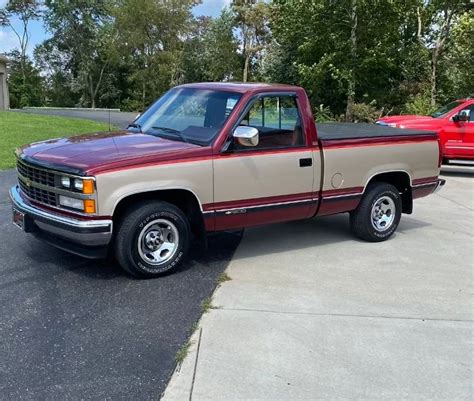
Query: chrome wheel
[[158, 242], [383, 213]]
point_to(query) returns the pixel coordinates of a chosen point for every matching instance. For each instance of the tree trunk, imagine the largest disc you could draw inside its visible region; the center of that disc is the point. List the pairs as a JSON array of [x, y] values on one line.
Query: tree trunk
[[434, 65], [91, 90], [95, 90], [419, 26], [351, 84], [443, 35], [246, 68]]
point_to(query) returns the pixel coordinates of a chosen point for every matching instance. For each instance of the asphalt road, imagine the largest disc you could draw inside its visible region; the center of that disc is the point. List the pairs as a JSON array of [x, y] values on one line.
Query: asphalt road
[[72, 328], [118, 119]]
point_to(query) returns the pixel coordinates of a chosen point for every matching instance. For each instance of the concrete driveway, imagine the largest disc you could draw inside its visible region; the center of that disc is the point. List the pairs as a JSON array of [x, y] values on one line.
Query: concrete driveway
[[72, 328], [312, 313]]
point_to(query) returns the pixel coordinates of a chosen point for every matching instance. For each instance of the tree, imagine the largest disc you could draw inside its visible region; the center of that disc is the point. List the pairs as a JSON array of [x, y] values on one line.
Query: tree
[[444, 14], [210, 53], [25, 11], [83, 36], [24, 81], [151, 37], [221, 48], [60, 87], [457, 65], [252, 21], [341, 53]]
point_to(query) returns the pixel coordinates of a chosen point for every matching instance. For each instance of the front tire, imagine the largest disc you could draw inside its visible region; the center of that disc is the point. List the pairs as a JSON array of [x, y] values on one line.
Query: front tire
[[152, 239], [378, 214]]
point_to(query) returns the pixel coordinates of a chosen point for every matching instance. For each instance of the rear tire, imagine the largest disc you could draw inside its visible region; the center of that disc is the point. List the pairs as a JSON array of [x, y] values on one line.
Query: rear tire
[[378, 214], [152, 239]]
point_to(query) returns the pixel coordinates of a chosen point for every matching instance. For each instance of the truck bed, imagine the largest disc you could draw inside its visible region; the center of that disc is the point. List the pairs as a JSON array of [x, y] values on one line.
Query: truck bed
[[336, 131]]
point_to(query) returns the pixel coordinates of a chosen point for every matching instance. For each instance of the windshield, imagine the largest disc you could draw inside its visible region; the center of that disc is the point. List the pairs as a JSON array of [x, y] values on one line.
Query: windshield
[[190, 115], [445, 109]]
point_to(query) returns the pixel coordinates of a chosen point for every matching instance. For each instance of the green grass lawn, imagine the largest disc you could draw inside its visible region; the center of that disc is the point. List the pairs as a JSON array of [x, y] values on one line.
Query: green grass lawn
[[18, 129]]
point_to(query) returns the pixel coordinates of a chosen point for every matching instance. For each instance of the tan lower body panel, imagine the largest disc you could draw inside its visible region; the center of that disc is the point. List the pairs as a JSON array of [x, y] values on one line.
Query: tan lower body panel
[[246, 189]]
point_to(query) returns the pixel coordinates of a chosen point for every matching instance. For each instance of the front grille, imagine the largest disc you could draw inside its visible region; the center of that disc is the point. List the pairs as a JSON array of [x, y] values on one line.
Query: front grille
[[37, 194], [34, 174]]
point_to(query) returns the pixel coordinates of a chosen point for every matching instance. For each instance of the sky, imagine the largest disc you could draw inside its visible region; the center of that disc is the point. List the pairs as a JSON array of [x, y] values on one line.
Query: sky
[[8, 40]]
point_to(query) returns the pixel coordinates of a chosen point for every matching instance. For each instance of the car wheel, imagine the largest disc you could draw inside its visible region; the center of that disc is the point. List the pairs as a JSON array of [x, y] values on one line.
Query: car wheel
[[378, 214], [152, 239]]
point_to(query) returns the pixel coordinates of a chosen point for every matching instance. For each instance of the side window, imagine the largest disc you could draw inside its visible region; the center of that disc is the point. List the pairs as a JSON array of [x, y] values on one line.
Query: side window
[[469, 111], [277, 120]]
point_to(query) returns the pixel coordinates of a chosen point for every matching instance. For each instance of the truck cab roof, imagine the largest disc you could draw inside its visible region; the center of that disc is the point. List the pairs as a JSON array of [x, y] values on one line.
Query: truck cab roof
[[241, 87]]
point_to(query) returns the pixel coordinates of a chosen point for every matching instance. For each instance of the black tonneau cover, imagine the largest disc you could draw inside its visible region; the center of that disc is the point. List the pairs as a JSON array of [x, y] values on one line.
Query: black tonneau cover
[[335, 131]]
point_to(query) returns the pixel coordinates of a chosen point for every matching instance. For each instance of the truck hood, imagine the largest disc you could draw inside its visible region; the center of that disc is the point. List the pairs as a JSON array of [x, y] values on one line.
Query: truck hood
[[102, 151], [413, 122], [404, 118]]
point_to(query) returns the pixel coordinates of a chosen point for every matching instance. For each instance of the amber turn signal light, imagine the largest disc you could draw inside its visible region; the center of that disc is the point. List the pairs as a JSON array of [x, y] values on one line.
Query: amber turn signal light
[[87, 187], [89, 206]]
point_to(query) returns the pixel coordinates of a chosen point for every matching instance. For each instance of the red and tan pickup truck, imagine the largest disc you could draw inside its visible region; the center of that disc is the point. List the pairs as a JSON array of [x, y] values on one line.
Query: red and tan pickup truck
[[212, 157]]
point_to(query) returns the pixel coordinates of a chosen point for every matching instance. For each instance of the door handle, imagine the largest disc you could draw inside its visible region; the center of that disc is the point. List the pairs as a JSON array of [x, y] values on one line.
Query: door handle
[[308, 162]]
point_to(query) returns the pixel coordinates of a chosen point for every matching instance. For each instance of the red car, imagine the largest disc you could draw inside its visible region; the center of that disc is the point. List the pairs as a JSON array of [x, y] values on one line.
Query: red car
[[454, 124]]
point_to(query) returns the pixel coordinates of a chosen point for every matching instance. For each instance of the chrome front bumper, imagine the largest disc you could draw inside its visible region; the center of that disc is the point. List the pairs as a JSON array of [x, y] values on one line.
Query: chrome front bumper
[[87, 238]]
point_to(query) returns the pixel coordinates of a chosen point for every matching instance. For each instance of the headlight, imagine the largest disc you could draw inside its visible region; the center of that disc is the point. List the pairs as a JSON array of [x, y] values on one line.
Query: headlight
[[66, 182], [78, 184], [383, 123], [84, 185]]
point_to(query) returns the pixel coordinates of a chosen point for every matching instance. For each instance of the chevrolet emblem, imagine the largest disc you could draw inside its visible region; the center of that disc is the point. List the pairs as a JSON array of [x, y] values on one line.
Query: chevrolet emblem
[[28, 182]]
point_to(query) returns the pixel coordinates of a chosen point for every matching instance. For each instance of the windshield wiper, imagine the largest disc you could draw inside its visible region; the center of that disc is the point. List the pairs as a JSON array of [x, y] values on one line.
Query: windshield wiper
[[166, 129], [135, 125], [172, 131]]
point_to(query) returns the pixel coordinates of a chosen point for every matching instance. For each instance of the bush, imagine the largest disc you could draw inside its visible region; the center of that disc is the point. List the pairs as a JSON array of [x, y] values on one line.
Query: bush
[[323, 114], [365, 113], [420, 104]]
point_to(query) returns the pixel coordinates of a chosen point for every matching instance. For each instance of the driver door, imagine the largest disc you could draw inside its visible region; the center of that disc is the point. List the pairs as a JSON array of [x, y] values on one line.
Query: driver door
[[269, 182], [460, 136]]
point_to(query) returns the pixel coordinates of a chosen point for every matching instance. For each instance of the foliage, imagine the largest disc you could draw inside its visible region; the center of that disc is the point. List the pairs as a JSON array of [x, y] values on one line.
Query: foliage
[[82, 42], [358, 58], [24, 82], [458, 65], [211, 51], [365, 112], [25, 87], [25, 11], [323, 114], [18, 129], [150, 35], [251, 17], [419, 104]]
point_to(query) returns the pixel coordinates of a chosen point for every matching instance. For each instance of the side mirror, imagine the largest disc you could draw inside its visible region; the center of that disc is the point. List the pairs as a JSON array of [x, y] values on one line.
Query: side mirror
[[462, 117], [246, 136]]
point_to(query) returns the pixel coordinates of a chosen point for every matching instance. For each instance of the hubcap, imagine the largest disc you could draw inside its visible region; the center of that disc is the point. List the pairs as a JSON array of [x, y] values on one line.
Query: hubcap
[[158, 242], [383, 213]]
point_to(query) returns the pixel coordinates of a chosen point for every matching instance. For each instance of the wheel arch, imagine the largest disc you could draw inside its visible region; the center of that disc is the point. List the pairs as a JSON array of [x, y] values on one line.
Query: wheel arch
[[183, 198], [400, 179]]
